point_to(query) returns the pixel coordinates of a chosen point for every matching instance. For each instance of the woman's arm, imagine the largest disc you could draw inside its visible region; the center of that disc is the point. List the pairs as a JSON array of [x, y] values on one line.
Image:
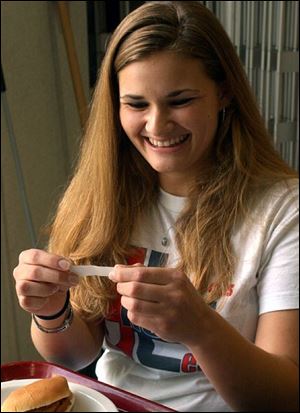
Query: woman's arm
[[75, 348], [42, 280], [252, 377]]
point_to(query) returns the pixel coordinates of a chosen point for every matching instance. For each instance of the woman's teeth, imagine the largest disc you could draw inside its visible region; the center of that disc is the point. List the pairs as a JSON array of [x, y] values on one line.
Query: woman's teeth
[[169, 142]]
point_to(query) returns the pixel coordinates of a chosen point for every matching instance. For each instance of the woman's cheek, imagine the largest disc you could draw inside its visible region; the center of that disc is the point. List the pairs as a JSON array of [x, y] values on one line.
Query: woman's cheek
[[130, 123]]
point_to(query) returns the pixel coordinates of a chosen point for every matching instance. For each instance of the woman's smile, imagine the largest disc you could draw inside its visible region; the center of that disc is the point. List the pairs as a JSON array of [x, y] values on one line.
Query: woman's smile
[[166, 145]]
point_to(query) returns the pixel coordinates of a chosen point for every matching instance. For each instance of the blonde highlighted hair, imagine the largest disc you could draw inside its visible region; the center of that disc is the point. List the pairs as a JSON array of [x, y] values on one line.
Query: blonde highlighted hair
[[113, 185]]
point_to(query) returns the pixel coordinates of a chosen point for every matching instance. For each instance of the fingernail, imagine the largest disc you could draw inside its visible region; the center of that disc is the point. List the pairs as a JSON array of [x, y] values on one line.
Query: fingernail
[[111, 275], [64, 264], [73, 279]]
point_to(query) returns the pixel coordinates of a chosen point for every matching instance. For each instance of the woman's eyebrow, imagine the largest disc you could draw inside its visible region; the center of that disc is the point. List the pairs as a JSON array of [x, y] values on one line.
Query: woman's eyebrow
[[169, 95], [178, 92], [136, 97]]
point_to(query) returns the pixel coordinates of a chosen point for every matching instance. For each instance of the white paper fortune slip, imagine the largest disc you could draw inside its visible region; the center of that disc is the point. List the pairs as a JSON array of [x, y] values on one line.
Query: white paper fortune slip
[[87, 270]]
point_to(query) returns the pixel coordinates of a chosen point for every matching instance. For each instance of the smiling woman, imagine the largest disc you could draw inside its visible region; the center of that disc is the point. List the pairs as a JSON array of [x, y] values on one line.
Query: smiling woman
[[180, 189], [173, 129]]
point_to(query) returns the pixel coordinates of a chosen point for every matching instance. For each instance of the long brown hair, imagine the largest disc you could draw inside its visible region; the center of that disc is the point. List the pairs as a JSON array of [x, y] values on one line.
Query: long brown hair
[[113, 185]]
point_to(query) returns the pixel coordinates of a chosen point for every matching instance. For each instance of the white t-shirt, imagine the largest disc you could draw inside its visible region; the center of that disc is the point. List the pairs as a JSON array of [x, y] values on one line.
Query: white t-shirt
[[266, 279]]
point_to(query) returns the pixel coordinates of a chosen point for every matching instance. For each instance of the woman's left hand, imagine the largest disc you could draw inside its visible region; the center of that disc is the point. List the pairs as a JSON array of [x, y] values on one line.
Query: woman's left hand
[[162, 300]]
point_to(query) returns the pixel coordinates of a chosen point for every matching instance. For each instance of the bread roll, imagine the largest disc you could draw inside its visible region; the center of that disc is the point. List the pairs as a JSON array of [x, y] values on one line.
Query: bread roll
[[45, 395]]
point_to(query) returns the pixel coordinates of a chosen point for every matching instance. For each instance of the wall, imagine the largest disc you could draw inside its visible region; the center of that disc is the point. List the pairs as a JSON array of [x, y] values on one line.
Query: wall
[[40, 106]]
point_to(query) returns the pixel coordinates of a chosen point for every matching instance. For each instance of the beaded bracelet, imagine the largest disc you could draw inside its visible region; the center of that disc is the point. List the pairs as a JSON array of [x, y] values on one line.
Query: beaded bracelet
[[60, 312], [66, 323]]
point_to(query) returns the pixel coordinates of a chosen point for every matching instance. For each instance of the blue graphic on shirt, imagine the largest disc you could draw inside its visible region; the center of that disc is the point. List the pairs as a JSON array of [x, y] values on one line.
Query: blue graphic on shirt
[[146, 346], [157, 259]]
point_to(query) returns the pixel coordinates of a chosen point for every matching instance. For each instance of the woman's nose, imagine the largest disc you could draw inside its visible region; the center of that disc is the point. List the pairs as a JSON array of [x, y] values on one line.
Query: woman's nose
[[158, 123]]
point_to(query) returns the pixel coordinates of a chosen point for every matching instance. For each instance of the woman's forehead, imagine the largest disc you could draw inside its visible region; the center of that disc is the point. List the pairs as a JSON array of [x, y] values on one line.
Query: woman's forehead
[[172, 71]]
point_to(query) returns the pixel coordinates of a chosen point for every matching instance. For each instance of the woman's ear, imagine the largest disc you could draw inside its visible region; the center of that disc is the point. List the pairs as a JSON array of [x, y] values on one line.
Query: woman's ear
[[224, 96]]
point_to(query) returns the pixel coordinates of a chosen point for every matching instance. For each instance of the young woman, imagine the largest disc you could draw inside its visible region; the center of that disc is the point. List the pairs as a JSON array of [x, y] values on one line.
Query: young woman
[[180, 189]]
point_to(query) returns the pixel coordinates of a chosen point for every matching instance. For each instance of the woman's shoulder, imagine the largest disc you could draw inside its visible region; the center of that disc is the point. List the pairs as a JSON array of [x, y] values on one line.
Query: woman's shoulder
[[273, 216], [283, 194], [286, 187], [272, 205]]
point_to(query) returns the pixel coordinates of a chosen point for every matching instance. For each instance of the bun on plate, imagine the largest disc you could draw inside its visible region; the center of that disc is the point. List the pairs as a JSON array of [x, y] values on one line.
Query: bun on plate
[[44, 395]]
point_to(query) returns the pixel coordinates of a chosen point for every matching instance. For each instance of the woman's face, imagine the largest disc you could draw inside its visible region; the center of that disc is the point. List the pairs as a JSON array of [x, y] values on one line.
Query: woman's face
[[169, 110]]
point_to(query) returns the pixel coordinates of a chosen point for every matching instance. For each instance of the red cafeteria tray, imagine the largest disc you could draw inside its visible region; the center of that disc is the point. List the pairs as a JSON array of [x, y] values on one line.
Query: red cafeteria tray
[[124, 401]]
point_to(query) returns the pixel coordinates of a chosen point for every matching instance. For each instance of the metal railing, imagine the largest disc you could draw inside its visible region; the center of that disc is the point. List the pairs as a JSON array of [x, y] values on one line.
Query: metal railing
[[265, 34]]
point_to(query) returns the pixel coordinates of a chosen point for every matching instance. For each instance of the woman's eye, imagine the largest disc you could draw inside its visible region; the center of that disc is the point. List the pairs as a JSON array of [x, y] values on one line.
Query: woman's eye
[[144, 105], [181, 102], [137, 105]]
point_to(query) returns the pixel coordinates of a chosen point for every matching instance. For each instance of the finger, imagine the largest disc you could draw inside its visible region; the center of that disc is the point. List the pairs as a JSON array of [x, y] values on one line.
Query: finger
[[152, 275], [141, 291], [32, 304], [45, 259], [135, 306], [146, 321], [36, 289], [43, 274]]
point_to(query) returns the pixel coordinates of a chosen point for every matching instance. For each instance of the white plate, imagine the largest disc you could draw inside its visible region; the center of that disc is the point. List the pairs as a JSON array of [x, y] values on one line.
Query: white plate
[[86, 399]]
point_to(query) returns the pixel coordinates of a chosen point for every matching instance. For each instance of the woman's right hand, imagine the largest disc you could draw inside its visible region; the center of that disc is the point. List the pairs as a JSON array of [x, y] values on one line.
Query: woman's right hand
[[42, 280]]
